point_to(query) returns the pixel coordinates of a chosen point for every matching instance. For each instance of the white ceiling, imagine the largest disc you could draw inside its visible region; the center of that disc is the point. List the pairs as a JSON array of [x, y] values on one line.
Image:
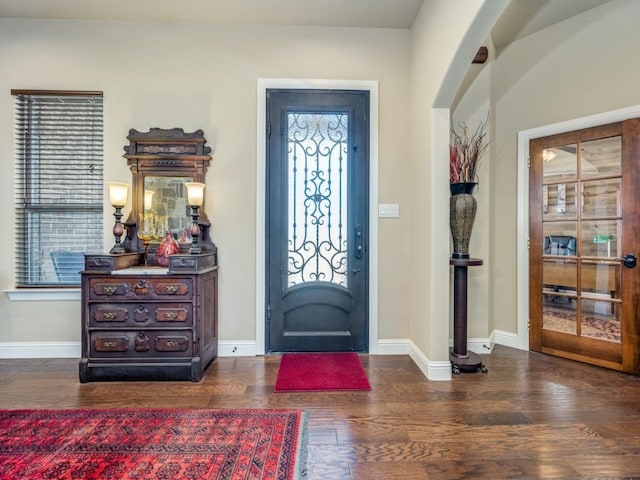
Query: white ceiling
[[520, 18], [524, 17], [341, 13]]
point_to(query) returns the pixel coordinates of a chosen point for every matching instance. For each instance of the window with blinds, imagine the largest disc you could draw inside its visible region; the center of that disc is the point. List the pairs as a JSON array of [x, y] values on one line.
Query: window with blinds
[[58, 185]]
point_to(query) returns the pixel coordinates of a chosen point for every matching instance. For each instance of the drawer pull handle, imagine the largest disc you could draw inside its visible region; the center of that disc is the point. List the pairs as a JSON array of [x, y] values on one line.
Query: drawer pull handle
[[172, 344], [109, 289], [111, 344], [141, 314], [141, 342], [172, 288], [171, 315], [141, 288], [109, 316]]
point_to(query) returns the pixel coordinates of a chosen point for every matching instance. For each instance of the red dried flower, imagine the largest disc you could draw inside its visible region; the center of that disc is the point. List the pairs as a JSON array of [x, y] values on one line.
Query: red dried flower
[[466, 151]]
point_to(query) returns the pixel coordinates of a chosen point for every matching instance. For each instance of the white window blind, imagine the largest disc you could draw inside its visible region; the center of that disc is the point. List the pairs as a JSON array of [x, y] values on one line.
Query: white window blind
[[58, 184]]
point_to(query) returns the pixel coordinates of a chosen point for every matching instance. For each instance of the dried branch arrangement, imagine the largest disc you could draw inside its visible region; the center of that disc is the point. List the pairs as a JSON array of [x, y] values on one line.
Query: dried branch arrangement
[[465, 152]]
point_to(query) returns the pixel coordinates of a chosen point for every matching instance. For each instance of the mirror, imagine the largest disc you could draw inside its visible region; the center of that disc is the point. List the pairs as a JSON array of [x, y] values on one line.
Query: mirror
[[161, 162], [166, 197]]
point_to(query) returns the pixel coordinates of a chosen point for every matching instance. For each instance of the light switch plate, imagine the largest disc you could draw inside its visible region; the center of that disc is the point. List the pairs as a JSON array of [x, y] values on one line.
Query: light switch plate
[[388, 210]]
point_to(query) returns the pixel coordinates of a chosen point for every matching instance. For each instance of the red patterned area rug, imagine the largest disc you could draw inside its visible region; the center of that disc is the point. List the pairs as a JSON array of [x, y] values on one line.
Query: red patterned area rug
[[313, 372], [152, 444]]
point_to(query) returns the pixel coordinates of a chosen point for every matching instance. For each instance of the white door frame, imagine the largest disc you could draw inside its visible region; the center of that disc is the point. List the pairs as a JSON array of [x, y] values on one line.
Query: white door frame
[[367, 85], [523, 200]]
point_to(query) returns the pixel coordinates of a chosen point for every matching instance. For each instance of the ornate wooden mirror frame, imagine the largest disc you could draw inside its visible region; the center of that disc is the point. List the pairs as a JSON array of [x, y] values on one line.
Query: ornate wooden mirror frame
[[161, 161]]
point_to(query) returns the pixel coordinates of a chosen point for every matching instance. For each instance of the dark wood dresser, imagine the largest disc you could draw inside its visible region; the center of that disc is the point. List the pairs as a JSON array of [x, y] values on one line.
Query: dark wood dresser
[[148, 323]]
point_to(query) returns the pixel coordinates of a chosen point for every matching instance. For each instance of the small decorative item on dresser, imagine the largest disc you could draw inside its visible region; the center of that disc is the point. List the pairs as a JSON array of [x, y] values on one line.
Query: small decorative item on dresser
[[118, 193], [168, 247], [195, 198], [465, 152], [146, 231]]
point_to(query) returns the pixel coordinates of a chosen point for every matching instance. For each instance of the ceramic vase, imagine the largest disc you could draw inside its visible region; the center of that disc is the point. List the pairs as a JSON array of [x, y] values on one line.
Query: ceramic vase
[[168, 247], [462, 213]]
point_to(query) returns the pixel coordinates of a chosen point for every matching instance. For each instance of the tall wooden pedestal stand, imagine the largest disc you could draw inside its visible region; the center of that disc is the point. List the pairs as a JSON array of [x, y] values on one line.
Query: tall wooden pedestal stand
[[461, 359]]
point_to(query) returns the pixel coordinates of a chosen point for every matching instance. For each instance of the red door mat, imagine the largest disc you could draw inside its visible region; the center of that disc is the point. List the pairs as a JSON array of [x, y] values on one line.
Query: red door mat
[[313, 372]]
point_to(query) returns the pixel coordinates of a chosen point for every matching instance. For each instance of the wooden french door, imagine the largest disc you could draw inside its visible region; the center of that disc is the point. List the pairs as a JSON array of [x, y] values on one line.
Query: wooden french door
[[317, 225], [584, 210]]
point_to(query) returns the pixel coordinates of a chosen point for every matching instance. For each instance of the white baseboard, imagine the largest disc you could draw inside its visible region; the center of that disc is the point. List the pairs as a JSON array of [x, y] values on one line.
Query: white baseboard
[[508, 339], [440, 370], [229, 348], [392, 347], [430, 369], [477, 345], [238, 348], [73, 350], [40, 350]]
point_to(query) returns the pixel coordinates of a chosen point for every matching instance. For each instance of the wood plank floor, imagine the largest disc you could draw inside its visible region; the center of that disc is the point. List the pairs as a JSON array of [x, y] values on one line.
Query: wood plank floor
[[531, 416]]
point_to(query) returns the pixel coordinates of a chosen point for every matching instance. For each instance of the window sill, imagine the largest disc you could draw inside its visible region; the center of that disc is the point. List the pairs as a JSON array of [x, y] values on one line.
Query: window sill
[[43, 295]]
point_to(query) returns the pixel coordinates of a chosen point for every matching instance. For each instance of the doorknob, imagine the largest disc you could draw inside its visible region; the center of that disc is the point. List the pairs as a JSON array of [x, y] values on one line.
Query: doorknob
[[629, 260]]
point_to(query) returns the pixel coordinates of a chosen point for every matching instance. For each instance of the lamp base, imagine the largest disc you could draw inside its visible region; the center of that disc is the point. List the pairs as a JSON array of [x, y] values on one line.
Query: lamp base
[[195, 232], [117, 249]]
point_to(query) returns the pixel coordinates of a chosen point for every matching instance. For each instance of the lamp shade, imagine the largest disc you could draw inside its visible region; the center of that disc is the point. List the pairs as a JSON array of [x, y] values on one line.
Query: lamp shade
[[148, 199], [195, 193], [118, 193]]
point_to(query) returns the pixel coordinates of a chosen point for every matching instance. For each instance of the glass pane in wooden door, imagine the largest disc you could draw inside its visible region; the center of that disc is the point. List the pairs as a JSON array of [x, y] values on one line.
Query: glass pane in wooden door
[[560, 164], [600, 158], [601, 198], [600, 320], [560, 302], [582, 221]]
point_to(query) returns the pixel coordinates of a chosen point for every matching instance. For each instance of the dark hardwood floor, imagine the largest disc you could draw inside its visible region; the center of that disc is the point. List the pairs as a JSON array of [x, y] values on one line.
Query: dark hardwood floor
[[531, 416]]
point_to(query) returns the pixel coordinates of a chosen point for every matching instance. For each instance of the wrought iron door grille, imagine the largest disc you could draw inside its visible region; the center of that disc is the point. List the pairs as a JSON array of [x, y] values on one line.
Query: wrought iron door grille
[[317, 197]]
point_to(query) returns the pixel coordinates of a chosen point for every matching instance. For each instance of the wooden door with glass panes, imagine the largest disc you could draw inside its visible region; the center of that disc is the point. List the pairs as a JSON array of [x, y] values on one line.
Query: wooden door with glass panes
[[584, 236]]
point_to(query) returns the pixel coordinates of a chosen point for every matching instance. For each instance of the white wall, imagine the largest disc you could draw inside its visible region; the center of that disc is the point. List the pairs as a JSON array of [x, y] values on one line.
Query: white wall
[[583, 66], [472, 113], [446, 36], [198, 76], [203, 77]]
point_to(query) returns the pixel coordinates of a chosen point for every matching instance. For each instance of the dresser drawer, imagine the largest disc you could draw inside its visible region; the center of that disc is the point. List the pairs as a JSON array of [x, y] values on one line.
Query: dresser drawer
[[125, 288], [140, 343], [119, 315]]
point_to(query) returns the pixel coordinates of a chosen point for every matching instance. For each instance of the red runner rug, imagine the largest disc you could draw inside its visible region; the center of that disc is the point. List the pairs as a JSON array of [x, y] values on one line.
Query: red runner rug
[[152, 444], [312, 372]]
